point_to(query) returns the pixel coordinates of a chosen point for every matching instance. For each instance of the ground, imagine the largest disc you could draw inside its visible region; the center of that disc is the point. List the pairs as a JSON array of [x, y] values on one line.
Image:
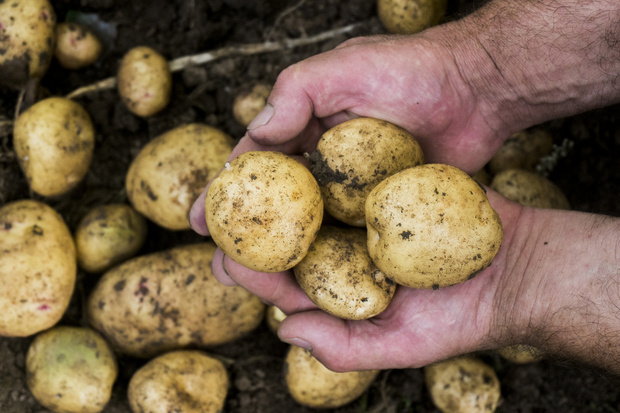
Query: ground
[[588, 174]]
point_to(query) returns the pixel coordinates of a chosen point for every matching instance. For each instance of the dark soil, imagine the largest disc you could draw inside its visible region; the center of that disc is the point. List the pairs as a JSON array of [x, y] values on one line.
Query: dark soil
[[588, 174]]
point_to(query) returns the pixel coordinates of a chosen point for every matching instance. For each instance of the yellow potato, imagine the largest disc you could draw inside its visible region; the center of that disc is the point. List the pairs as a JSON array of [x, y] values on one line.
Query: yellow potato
[[522, 150], [170, 300], [410, 16], [54, 141], [144, 81], [339, 277], [180, 381], [274, 317], [107, 235], [170, 172], [312, 384], [431, 226], [264, 210], [249, 103], [37, 268], [353, 157], [530, 189], [76, 46], [521, 353], [71, 370]]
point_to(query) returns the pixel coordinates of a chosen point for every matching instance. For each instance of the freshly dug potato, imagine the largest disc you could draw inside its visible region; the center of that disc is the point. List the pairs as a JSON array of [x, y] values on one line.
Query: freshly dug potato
[[521, 353], [312, 384], [37, 268], [339, 277], [144, 81], [107, 235], [463, 385], [172, 170], [76, 46], [180, 381], [249, 103], [71, 370], [54, 141], [483, 177], [353, 157], [273, 317], [410, 16], [27, 36], [522, 150], [264, 210], [530, 189], [170, 300], [431, 226]]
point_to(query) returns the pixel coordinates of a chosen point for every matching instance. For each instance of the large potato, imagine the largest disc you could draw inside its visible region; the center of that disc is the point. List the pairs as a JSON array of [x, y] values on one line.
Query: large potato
[[410, 16], [264, 210], [180, 381], [431, 226], [27, 35], [37, 268], [54, 141], [353, 157], [530, 189], [338, 275], [170, 300], [522, 150], [76, 46], [71, 370], [172, 170]]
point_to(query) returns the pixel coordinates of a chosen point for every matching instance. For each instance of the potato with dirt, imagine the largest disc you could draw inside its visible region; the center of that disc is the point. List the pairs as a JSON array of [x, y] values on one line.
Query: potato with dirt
[[522, 150], [76, 46], [171, 171], [410, 16], [170, 300], [187, 381], [249, 103], [71, 370], [530, 189], [37, 268]]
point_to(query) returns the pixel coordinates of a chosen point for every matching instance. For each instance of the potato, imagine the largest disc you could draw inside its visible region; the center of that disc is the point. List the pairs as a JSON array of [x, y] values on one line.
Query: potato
[[314, 385], [431, 226], [483, 177], [144, 81], [248, 104], [179, 381], [339, 277], [522, 150], [274, 317], [463, 385], [353, 157], [37, 268], [410, 16], [76, 46], [521, 353], [71, 370], [170, 300], [264, 210], [27, 36], [171, 171], [54, 141], [107, 235], [530, 189]]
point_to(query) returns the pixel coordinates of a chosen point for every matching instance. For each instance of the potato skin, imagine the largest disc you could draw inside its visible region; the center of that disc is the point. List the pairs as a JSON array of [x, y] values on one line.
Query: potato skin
[[180, 381], [171, 171], [170, 300], [530, 189], [248, 104], [76, 46], [54, 141], [71, 369], [410, 16], [144, 81], [431, 226], [264, 210], [353, 157], [521, 353], [339, 277], [37, 261]]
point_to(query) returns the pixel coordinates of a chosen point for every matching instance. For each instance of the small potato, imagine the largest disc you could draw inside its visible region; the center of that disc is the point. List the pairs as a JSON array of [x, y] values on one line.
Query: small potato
[[144, 81], [463, 385], [27, 36], [76, 46], [410, 16], [522, 150], [312, 384], [339, 277], [530, 189], [71, 370], [171, 171], [264, 210], [431, 226], [170, 300], [37, 268], [107, 235], [249, 103], [180, 381], [274, 317], [483, 177], [521, 353], [353, 157], [54, 141]]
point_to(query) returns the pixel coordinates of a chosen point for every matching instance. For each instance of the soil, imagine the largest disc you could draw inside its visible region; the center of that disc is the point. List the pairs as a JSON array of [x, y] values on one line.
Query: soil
[[587, 172]]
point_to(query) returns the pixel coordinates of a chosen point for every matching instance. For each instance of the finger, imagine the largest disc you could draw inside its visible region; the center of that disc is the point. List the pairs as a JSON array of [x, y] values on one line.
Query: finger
[[218, 269], [196, 214]]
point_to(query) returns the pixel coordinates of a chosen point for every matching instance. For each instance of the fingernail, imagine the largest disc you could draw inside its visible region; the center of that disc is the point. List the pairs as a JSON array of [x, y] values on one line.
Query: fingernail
[[263, 117], [299, 343]]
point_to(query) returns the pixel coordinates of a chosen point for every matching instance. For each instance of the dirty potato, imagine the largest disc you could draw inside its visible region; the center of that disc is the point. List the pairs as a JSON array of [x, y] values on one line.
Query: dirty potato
[[522, 150], [521, 353], [530, 189], [76, 46], [410, 16], [249, 103]]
